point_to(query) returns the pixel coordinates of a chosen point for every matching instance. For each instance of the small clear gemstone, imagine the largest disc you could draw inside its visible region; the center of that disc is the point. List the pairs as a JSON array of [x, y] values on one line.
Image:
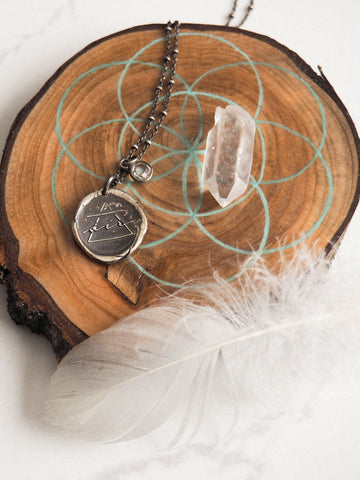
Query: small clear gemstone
[[141, 171], [229, 153]]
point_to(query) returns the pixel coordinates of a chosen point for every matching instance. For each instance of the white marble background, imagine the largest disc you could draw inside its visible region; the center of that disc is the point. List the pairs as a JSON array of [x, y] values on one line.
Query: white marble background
[[320, 441]]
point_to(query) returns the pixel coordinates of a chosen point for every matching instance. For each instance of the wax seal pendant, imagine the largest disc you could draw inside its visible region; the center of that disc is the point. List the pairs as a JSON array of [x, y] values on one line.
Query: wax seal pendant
[[109, 225]]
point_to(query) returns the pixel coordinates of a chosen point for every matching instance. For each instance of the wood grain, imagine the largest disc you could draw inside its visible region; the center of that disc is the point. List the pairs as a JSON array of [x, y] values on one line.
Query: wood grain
[[65, 142]]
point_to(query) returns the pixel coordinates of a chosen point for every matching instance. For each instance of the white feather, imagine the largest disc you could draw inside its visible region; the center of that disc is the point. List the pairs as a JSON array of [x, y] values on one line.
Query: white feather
[[197, 363]]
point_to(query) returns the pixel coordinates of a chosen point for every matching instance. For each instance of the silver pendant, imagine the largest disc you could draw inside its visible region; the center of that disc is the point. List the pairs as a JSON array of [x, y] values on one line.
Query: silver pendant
[[109, 226]]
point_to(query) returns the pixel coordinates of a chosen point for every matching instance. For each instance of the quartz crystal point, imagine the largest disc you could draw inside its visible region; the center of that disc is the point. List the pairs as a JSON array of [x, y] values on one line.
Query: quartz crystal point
[[228, 155]]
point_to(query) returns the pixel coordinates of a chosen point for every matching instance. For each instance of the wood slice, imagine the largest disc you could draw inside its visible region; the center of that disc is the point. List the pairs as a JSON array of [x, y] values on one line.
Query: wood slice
[[66, 142]]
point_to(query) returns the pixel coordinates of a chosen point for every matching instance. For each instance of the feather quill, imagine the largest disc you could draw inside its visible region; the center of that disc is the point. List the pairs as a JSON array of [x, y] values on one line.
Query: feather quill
[[198, 364]]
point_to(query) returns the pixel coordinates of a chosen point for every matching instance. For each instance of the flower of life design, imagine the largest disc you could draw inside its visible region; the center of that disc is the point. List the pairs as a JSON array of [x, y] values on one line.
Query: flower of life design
[[192, 150]]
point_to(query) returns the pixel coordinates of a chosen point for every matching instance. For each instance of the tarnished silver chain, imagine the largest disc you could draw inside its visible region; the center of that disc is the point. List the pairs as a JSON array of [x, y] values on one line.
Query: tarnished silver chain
[[155, 119], [248, 10], [132, 164]]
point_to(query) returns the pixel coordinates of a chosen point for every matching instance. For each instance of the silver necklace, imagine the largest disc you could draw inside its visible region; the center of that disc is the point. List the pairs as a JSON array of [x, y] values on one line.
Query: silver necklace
[[231, 16], [110, 223]]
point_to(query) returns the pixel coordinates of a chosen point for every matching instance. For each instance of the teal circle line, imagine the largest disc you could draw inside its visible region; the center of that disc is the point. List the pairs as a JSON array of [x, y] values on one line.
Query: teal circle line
[[215, 37], [65, 149], [316, 155], [241, 52], [129, 123], [240, 250], [196, 141], [190, 153], [129, 63], [207, 285], [191, 213], [172, 169], [320, 219], [80, 78]]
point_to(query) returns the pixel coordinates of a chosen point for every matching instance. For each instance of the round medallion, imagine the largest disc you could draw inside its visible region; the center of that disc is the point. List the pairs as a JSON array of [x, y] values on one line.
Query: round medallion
[[108, 227]]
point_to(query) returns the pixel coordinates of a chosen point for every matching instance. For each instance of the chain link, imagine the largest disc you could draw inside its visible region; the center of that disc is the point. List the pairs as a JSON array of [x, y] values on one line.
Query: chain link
[[231, 15]]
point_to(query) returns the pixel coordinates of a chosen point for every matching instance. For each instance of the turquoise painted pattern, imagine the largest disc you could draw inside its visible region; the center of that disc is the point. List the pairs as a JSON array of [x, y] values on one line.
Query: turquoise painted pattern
[[193, 149]]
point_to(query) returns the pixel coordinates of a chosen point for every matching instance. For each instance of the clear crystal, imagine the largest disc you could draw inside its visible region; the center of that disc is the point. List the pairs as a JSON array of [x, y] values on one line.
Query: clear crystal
[[229, 153]]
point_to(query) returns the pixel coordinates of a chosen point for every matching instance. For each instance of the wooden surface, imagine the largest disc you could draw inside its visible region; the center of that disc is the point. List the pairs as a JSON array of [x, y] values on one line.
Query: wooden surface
[[65, 142]]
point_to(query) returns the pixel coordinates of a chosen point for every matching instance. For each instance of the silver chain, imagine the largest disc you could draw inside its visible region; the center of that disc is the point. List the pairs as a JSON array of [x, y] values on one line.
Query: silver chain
[[231, 15], [153, 124], [132, 164]]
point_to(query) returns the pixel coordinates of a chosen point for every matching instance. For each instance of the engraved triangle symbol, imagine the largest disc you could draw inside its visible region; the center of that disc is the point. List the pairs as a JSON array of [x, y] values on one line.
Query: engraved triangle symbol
[[110, 224], [105, 206]]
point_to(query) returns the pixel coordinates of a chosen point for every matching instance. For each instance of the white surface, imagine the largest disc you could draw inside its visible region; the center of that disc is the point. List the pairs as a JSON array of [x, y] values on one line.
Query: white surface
[[321, 442]]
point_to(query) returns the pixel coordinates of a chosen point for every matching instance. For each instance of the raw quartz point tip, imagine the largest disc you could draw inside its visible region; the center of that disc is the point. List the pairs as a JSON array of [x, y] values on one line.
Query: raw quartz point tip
[[229, 153]]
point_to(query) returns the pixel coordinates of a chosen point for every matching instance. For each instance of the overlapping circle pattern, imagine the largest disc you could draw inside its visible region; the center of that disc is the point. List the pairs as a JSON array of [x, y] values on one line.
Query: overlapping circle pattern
[[193, 149]]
